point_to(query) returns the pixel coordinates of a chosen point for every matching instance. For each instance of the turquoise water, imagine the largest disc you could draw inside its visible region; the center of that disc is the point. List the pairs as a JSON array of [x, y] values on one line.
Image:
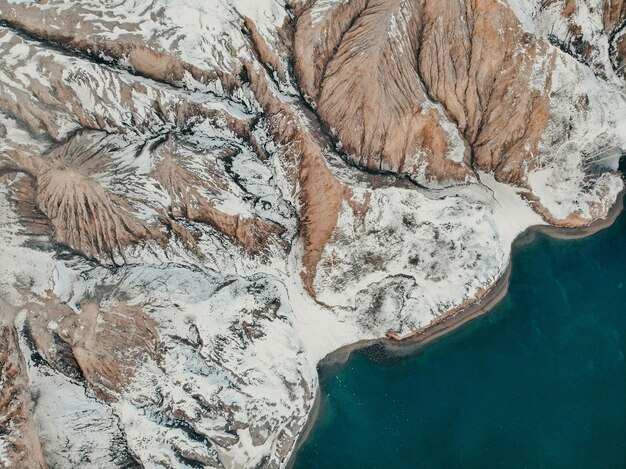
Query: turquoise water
[[540, 382]]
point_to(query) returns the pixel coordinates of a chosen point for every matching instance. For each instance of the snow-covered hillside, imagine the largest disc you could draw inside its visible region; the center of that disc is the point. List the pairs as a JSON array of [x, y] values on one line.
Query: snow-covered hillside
[[201, 200]]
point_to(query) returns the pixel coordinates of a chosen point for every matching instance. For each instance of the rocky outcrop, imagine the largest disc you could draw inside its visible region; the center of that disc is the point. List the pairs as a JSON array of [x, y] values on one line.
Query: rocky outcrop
[[414, 87], [588, 32], [129, 50], [105, 347], [191, 195], [482, 66], [619, 54], [320, 193], [363, 80], [19, 442], [83, 215]]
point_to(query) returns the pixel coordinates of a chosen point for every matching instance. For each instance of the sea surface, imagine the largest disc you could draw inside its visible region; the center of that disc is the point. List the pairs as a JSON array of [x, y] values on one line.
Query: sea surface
[[539, 382]]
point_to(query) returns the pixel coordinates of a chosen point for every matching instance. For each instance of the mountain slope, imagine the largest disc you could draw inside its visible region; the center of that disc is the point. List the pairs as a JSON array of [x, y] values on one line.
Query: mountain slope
[[201, 201]]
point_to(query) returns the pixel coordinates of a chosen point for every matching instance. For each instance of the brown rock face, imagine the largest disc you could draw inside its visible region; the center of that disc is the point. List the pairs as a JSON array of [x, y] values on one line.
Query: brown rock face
[[614, 15], [145, 59], [102, 345], [321, 194], [372, 70], [478, 63], [191, 198], [358, 66], [17, 429], [84, 215]]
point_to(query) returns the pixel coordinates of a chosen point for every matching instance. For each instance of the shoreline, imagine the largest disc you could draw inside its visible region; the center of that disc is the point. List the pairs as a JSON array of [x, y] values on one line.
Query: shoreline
[[451, 321]]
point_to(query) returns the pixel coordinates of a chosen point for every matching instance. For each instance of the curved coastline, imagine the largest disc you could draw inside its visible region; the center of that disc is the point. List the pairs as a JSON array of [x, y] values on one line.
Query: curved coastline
[[449, 322]]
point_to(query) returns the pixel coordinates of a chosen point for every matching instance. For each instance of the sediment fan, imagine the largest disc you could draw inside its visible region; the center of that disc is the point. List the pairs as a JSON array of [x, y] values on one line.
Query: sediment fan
[[201, 200]]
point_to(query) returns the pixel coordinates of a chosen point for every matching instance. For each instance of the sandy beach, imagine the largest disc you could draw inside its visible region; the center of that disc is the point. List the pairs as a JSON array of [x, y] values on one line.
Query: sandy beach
[[449, 322]]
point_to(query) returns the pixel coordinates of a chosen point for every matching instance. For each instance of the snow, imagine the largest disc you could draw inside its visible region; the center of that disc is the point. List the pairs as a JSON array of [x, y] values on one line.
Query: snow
[[564, 181], [199, 33], [4, 458], [556, 194], [436, 252], [511, 213], [240, 337], [526, 11]]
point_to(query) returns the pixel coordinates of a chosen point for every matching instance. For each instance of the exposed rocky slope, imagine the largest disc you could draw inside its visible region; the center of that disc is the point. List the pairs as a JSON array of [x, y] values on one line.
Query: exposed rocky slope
[[201, 200]]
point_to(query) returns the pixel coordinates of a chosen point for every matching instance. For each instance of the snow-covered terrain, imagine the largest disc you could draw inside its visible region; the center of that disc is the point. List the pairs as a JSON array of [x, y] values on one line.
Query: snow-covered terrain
[[186, 234]]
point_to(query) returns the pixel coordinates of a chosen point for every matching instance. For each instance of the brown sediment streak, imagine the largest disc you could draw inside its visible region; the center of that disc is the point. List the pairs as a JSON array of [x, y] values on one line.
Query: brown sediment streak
[[41, 109], [371, 68], [102, 346], [21, 442], [614, 14], [83, 215], [190, 192], [316, 52], [266, 55], [22, 192], [478, 62], [319, 192], [143, 59], [370, 93]]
